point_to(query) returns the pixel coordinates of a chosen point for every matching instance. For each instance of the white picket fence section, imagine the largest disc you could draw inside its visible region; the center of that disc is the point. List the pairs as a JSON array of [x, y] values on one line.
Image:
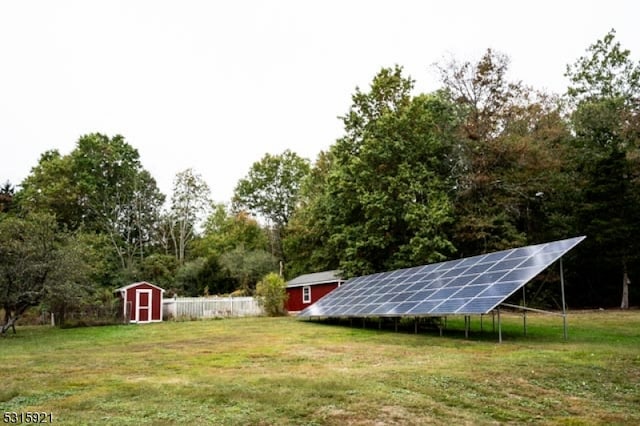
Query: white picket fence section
[[211, 307]]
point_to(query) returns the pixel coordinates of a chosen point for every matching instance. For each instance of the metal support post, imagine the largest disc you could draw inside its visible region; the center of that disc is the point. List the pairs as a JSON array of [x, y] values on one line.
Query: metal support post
[[467, 320], [499, 327], [524, 311], [564, 305]]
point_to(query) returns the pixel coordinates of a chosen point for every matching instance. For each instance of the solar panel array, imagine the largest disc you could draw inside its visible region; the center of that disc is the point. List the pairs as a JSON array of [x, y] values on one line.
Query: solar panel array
[[473, 285]]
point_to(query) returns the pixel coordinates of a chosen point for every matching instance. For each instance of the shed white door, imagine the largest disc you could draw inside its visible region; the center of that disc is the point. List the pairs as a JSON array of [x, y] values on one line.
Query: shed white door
[[144, 299]]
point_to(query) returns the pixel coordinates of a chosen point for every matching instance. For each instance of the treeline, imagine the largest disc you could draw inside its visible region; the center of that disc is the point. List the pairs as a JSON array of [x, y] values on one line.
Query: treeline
[[482, 164]]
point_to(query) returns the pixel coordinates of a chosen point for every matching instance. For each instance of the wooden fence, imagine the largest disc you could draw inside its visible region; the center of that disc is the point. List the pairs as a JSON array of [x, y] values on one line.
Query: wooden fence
[[210, 307]]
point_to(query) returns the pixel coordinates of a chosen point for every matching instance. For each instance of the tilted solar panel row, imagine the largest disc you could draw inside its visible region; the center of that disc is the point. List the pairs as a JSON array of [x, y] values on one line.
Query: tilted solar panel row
[[473, 285]]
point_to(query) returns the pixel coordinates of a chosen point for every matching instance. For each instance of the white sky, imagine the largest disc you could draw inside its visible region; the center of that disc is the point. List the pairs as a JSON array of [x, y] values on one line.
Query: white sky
[[215, 85]]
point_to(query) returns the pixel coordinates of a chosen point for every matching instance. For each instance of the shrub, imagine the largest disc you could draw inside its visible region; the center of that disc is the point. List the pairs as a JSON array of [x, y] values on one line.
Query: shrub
[[272, 295]]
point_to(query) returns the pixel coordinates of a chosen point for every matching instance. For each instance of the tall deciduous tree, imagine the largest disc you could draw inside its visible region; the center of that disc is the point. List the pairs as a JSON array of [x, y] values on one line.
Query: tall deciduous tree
[[101, 187], [605, 72], [189, 204], [385, 202], [605, 91], [484, 91], [271, 190], [118, 197], [505, 161], [307, 233]]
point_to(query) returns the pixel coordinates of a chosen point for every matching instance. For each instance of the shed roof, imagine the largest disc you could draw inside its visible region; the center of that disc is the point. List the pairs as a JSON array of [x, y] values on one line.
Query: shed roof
[[127, 287], [316, 278]]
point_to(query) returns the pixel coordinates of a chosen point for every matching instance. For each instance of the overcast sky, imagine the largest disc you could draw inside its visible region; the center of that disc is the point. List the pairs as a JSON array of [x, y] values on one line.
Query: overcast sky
[[214, 85]]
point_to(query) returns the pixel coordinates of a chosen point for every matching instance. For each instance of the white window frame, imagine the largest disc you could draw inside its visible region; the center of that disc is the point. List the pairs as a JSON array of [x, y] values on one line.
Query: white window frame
[[306, 294]]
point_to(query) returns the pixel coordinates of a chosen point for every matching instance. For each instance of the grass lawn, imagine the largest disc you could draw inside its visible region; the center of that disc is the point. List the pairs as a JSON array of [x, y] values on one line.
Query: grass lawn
[[283, 371]]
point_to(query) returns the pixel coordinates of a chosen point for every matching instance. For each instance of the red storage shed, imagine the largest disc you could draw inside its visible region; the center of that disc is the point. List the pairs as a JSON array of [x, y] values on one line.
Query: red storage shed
[[307, 289], [141, 302]]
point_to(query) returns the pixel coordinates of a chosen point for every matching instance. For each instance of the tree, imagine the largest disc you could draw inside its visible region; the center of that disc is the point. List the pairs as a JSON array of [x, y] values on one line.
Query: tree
[[507, 156], [389, 92], [307, 233], [118, 196], [71, 281], [605, 93], [159, 269], [606, 72], [203, 276], [272, 294], [483, 93], [52, 187], [270, 190], [385, 202], [225, 230], [247, 266], [99, 187], [187, 277], [37, 263], [133, 218], [7, 192], [189, 202]]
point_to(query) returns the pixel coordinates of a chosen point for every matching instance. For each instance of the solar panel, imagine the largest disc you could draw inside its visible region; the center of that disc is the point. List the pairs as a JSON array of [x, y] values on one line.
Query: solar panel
[[472, 285]]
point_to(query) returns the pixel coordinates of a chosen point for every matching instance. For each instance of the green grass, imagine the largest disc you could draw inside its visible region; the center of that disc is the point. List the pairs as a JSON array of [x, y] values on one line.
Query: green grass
[[283, 371]]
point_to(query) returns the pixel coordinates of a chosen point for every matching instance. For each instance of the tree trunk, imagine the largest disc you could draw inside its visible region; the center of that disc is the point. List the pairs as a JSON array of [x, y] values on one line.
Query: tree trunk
[[8, 322], [625, 288], [12, 317]]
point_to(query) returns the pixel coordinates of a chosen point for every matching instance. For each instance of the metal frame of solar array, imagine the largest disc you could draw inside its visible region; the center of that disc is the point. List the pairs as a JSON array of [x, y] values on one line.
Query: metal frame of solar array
[[473, 285]]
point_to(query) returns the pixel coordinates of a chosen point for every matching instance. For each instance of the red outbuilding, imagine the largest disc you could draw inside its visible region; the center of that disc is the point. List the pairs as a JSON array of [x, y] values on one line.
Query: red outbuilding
[[141, 302], [307, 289]]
